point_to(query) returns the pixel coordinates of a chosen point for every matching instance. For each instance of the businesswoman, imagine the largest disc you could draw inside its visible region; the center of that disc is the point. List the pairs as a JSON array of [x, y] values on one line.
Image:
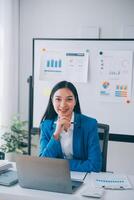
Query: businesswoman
[[68, 134]]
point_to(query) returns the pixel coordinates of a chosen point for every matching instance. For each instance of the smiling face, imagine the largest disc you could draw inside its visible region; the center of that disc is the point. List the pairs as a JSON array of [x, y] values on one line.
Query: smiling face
[[64, 102]]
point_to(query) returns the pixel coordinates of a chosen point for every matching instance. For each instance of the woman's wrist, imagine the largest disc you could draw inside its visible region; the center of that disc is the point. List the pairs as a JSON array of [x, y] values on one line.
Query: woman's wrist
[[56, 136]]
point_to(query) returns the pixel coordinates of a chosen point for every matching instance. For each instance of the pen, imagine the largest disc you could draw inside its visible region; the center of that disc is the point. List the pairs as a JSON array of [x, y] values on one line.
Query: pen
[[71, 122], [85, 176]]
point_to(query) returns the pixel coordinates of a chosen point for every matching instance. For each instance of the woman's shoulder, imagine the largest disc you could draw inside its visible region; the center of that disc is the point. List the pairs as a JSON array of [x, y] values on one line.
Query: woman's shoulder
[[46, 123], [86, 119]]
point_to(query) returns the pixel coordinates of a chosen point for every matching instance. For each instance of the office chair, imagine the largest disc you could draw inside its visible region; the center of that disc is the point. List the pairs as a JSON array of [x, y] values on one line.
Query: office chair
[[103, 131]]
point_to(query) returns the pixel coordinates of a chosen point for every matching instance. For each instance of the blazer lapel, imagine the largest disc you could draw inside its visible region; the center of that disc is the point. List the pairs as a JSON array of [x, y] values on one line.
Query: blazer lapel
[[76, 135], [53, 127]]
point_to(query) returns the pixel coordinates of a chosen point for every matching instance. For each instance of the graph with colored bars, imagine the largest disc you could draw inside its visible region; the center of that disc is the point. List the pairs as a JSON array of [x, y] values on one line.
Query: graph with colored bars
[[54, 65], [121, 91]]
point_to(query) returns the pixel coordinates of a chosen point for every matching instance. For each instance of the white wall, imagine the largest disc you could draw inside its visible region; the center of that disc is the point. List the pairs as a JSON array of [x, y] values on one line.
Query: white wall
[[65, 18], [120, 157], [9, 18]]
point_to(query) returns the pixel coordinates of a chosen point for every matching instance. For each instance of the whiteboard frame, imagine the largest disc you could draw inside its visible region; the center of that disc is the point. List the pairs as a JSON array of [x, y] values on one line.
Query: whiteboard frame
[[113, 136]]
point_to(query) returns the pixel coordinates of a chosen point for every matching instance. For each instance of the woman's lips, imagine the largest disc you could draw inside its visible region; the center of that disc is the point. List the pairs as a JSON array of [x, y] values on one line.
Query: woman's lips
[[63, 111]]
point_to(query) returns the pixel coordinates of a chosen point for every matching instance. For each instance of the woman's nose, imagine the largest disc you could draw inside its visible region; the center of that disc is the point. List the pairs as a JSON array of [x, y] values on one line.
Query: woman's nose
[[63, 103]]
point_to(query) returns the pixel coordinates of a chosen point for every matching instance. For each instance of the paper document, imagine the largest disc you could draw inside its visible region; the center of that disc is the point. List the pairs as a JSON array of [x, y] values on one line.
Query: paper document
[[95, 192], [111, 181], [78, 175], [4, 165]]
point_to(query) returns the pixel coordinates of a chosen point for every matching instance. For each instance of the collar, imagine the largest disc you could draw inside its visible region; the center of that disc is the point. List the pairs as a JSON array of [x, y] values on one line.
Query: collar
[[77, 119], [72, 118]]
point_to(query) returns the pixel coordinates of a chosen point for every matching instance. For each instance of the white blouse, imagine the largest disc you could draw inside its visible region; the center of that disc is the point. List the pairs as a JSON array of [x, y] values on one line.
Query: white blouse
[[66, 141]]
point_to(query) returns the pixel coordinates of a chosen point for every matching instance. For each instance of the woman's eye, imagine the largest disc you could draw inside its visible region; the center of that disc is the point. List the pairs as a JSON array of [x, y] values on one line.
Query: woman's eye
[[70, 99], [57, 99]]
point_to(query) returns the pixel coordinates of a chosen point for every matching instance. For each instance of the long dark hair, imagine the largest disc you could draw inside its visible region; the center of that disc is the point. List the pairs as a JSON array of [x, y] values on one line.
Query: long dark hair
[[50, 112]]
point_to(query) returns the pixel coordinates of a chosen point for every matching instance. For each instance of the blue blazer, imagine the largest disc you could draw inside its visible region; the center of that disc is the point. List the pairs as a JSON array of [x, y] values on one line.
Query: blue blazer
[[86, 148]]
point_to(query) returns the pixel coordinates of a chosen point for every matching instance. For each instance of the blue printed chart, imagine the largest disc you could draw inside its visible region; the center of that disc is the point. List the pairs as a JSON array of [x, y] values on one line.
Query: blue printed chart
[[51, 61], [53, 65], [62, 65]]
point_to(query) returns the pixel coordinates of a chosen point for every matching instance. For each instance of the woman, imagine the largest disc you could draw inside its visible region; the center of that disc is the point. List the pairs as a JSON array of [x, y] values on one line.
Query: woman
[[66, 133]]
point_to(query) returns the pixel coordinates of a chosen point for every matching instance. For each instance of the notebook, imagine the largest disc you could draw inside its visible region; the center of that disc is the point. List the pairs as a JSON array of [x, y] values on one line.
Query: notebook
[[49, 174], [8, 178]]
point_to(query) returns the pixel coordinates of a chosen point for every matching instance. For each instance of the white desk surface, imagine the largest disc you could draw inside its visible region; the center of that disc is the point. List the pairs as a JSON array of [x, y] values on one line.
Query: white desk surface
[[18, 193]]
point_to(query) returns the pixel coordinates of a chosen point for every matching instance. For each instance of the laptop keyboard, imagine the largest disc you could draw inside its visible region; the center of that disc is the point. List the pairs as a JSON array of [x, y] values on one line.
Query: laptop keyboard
[[76, 184]]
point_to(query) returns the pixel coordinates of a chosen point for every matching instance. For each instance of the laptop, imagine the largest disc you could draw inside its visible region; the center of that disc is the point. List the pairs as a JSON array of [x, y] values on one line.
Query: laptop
[[49, 174]]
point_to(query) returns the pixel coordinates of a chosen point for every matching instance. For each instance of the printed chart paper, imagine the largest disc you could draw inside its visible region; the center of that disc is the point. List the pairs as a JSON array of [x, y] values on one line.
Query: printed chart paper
[[115, 75], [111, 181], [62, 65]]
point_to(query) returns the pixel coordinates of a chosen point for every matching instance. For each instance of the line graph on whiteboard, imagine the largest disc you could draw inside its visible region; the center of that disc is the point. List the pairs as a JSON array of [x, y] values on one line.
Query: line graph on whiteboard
[[115, 75]]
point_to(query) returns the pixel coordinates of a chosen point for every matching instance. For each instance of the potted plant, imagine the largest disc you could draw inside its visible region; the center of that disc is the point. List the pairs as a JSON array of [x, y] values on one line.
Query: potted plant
[[14, 139]]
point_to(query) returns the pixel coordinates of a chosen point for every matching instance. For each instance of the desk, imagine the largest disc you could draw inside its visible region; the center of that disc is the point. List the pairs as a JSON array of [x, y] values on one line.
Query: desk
[[17, 193]]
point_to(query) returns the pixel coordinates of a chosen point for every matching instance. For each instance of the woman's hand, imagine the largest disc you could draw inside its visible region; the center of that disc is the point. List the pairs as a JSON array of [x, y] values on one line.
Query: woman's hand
[[63, 123]]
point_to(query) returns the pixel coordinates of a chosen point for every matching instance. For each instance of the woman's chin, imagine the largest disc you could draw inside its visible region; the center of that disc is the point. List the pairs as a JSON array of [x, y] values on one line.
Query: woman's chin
[[64, 114]]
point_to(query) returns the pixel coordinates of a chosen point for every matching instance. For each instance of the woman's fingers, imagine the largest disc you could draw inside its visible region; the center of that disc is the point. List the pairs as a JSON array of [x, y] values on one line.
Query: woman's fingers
[[64, 122]]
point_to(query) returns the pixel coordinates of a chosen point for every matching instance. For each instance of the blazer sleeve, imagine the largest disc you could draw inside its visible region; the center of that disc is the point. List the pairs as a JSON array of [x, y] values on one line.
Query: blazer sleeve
[[49, 147], [94, 158]]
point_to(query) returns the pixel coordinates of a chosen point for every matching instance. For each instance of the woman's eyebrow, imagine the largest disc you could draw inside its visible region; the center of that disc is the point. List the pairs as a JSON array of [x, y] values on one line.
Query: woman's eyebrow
[[66, 96], [69, 96]]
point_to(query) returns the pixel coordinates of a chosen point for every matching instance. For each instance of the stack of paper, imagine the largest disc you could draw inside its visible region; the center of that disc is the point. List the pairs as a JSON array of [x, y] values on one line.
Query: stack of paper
[[4, 166], [8, 178], [7, 175]]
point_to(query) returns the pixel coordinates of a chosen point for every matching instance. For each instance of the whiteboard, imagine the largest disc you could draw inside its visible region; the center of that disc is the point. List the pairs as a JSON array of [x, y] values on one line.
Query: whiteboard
[[119, 115]]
